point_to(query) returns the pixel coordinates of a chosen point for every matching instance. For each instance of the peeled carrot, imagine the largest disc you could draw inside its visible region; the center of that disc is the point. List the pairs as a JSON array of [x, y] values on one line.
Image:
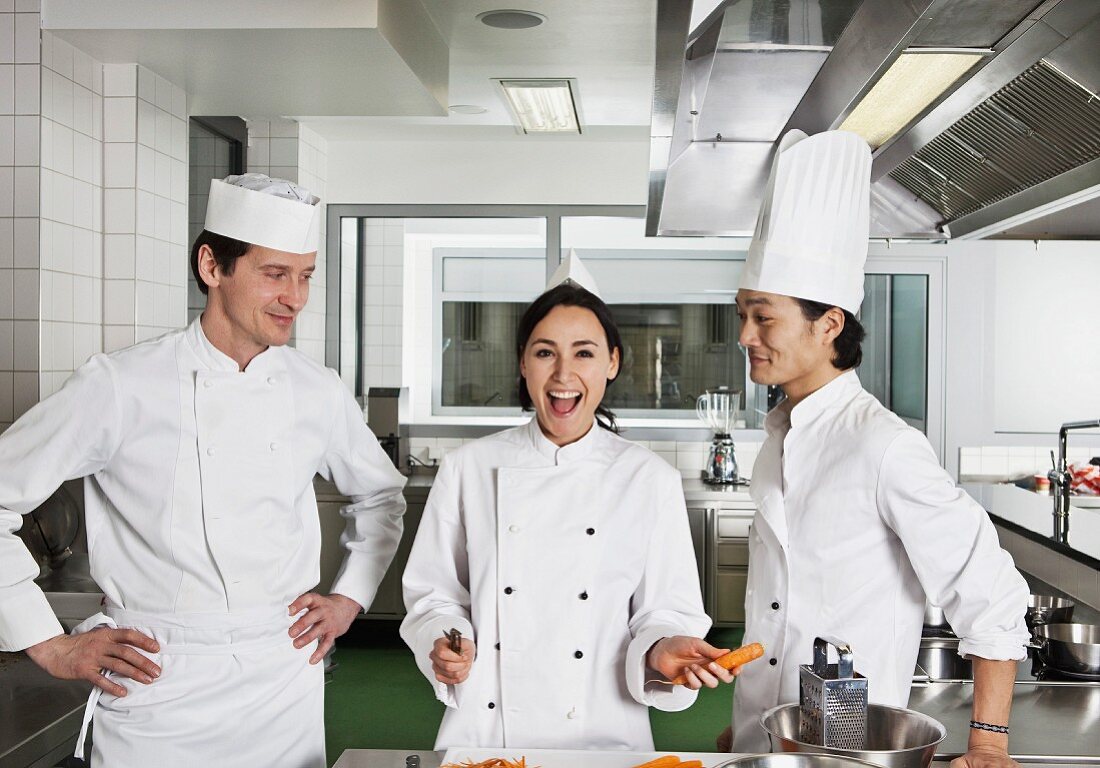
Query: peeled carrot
[[690, 764], [737, 658], [666, 761]]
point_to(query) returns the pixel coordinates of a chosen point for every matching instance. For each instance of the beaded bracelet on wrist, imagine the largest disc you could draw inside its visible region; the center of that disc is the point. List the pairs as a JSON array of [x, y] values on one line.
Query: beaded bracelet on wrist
[[988, 727]]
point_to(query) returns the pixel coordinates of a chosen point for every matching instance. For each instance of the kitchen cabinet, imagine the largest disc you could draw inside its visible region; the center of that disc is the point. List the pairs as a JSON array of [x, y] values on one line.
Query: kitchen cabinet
[[388, 602], [729, 550]]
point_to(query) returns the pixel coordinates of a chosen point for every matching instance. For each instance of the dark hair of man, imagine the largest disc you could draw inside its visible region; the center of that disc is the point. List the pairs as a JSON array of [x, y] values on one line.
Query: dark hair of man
[[568, 295], [226, 252], [846, 346]]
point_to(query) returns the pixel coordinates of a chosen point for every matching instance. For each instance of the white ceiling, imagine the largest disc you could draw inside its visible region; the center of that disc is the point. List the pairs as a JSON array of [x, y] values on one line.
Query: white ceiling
[[607, 46], [355, 78]]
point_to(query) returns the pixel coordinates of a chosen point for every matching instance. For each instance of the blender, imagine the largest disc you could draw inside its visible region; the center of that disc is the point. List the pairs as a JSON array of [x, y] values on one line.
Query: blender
[[718, 409]]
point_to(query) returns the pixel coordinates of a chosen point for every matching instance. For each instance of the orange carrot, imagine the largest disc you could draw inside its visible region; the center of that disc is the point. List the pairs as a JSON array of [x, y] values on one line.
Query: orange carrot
[[690, 764], [666, 761], [741, 656]]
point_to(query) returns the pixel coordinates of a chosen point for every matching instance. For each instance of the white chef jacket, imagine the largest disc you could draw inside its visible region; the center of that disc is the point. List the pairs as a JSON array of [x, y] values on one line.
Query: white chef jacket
[[565, 565], [856, 525], [199, 497]]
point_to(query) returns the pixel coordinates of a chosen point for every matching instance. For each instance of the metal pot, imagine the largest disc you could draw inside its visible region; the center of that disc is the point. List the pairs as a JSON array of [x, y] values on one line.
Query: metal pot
[[896, 738], [1070, 648], [1047, 609], [795, 760]]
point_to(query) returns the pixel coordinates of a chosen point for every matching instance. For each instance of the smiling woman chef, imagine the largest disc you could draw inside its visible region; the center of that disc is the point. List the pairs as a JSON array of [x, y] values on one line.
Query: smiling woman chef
[[562, 554], [199, 450]]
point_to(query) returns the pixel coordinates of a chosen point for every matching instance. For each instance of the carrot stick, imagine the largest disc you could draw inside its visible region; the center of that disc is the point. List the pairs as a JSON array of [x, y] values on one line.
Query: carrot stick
[[737, 658], [666, 761]]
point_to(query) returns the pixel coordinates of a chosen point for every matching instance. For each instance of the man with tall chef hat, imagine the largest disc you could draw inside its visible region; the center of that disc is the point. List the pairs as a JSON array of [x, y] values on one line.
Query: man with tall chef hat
[[857, 524], [198, 451]]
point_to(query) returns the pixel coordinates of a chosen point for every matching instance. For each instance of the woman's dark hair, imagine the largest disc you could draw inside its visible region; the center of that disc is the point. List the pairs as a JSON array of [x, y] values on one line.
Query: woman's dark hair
[[226, 252], [846, 346], [568, 295]]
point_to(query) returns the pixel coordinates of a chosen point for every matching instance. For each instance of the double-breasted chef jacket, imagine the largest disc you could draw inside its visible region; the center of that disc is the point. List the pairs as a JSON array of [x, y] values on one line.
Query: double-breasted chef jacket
[[564, 565], [202, 528], [856, 524]]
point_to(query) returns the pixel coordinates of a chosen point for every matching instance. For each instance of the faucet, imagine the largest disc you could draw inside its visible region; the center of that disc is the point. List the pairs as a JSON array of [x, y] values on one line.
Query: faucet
[[1060, 479]]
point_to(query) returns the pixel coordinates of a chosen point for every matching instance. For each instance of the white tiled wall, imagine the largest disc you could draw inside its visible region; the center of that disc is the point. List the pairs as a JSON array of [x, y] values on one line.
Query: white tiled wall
[[283, 149], [21, 308], [382, 292], [1014, 461], [688, 457], [71, 255], [311, 155], [145, 205]]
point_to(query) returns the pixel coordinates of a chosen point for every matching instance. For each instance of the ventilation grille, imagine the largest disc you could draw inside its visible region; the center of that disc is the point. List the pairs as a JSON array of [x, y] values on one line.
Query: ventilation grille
[[1038, 126]]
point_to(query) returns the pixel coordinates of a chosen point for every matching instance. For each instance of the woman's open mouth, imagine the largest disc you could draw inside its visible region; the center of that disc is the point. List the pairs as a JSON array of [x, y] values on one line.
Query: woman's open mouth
[[563, 402]]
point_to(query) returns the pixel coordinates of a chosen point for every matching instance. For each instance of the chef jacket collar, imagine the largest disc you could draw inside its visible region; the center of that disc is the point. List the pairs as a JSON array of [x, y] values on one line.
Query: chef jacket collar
[[840, 390], [566, 453], [217, 360]]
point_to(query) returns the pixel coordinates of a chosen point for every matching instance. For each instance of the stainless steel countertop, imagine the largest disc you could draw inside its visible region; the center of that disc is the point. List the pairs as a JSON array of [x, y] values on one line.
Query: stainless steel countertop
[[1047, 723], [395, 758], [40, 716]]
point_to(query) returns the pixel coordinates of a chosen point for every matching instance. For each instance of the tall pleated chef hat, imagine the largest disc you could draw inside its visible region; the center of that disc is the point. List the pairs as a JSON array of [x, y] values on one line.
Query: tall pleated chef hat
[[811, 234], [258, 209], [571, 270]]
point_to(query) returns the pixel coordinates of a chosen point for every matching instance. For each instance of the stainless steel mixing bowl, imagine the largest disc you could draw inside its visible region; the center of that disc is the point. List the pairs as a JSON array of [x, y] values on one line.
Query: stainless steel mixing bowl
[[795, 760], [896, 738]]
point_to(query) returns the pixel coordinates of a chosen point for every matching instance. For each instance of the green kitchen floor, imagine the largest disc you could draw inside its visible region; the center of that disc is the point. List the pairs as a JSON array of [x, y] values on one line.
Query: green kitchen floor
[[376, 698]]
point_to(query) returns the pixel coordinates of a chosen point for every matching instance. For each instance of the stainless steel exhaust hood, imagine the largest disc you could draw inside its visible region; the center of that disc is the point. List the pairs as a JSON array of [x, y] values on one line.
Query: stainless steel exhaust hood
[[1017, 137]]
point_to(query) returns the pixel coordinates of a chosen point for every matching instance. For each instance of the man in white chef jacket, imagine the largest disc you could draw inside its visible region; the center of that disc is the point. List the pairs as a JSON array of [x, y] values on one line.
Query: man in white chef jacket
[[856, 521], [199, 450]]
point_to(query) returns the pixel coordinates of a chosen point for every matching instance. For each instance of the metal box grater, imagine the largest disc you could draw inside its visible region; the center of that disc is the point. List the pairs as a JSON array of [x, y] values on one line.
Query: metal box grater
[[832, 699]]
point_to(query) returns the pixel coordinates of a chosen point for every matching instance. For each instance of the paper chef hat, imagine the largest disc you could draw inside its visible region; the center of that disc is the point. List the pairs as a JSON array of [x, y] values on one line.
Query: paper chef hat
[[257, 209], [571, 270], [811, 234]]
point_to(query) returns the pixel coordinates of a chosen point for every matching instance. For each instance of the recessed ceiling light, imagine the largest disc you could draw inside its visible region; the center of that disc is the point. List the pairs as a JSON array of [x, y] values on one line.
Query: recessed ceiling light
[[542, 106], [511, 19], [467, 109]]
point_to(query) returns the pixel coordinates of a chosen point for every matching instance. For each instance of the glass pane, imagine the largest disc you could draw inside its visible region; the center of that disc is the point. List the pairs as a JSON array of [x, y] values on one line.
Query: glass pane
[[673, 353], [895, 353], [441, 298], [479, 354]]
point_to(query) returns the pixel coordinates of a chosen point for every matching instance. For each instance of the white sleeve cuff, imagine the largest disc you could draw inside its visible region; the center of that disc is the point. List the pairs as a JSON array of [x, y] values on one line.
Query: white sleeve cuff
[[27, 618], [668, 698]]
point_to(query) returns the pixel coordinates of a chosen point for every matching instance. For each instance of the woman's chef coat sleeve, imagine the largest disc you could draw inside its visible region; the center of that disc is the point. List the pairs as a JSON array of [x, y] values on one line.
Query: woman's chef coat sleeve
[[954, 551], [68, 435], [437, 578], [363, 472], [667, 600]]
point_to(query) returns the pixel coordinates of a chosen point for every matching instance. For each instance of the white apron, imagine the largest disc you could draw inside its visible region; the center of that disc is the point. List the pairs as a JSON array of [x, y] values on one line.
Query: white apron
[[232, 681]]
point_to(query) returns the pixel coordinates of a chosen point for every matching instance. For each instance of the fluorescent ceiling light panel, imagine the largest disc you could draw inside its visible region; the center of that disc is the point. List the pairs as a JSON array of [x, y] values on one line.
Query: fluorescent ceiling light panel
[[542, 106], [911, 83]]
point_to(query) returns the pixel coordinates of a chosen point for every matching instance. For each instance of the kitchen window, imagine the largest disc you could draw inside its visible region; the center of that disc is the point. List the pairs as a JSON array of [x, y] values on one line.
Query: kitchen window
[[443, 288]]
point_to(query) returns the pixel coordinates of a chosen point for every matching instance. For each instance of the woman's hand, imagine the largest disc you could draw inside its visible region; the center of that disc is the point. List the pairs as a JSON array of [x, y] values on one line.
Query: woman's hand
[[450, 667], [691, 657]]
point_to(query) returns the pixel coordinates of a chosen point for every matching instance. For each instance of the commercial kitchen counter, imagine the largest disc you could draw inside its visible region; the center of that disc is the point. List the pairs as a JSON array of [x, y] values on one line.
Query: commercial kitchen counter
[[39, 715]]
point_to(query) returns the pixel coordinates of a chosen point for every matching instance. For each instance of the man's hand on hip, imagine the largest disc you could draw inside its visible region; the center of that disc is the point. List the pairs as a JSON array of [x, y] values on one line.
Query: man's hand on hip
[[324, 620], [88, 655]]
